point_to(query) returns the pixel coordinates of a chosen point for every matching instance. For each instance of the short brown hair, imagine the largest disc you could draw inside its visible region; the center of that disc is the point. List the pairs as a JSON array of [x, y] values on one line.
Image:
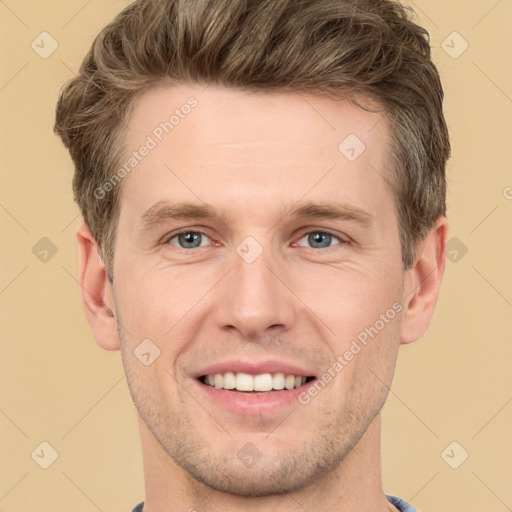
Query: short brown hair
[[340, 48]]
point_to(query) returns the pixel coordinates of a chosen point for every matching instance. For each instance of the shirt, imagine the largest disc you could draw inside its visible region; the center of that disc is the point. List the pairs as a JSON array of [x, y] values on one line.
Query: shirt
[[399, 503]]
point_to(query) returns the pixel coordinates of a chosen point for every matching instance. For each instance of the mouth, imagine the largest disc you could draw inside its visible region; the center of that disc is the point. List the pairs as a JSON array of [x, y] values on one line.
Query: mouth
[[262, 383], [265, 389]]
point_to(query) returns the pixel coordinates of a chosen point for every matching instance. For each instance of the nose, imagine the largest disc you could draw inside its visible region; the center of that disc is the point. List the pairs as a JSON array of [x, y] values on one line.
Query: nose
[[255, 299]]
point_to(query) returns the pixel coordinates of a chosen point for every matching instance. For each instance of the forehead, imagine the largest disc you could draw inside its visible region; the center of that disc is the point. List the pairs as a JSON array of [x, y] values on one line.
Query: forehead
[[221, 145], [215, 115]]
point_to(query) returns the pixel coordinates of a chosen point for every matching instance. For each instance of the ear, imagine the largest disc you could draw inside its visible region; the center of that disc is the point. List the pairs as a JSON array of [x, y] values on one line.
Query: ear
[[422, 282], [96, 291]]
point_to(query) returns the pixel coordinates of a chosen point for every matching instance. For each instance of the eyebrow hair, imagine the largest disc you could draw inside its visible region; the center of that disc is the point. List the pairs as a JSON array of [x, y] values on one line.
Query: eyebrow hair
[[163, 211], [334, 211]]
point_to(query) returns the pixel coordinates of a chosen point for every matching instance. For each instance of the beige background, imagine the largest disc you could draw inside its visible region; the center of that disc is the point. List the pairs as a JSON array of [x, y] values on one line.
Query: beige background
[[58, 386]]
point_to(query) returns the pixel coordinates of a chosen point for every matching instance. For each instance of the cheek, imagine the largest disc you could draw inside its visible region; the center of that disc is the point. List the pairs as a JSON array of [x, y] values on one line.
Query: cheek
[[348, 298], [359, 305], [159, 303]]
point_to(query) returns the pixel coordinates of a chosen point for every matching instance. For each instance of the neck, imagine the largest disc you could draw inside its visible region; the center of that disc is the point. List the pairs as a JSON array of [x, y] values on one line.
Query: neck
[[354, 484]]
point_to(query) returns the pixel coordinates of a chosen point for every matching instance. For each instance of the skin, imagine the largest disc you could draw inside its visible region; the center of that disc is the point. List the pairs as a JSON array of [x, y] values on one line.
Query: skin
[[252, 157]]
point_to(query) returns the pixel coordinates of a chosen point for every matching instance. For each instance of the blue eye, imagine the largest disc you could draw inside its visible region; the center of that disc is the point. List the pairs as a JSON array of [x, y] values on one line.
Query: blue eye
[[188, 239], [194, 239], [320, 239]]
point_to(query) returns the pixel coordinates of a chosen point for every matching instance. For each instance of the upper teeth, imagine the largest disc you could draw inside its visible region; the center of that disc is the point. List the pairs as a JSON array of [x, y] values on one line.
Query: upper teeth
[[247, 382]]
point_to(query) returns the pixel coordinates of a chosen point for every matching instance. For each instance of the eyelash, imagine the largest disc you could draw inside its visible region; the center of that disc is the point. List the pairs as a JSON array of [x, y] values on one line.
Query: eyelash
[[168, 239]]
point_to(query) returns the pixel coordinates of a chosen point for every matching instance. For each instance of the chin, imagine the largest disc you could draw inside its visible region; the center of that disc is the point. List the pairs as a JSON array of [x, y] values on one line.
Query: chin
[[273, 474], [255, 482]]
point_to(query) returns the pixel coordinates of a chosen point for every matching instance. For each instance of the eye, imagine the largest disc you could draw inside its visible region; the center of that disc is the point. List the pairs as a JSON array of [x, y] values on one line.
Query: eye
[[320, 239], [188, 239]]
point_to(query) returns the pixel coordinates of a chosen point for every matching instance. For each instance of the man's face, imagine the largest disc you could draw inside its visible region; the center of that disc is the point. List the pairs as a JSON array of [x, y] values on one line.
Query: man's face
[[257, 289]]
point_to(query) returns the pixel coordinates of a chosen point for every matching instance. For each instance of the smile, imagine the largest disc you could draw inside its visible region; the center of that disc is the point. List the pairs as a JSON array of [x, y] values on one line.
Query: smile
[[262, 382]]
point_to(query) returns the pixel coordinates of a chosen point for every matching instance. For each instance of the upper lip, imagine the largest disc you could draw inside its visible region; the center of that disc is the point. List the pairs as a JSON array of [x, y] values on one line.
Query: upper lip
[[254, 368]]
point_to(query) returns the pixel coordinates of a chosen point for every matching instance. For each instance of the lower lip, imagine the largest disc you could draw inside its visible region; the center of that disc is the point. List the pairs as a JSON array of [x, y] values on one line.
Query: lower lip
[[253, 404]]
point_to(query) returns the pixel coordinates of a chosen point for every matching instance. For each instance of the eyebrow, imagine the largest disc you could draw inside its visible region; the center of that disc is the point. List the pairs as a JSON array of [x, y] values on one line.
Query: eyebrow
[[334, 211], [163, 211]]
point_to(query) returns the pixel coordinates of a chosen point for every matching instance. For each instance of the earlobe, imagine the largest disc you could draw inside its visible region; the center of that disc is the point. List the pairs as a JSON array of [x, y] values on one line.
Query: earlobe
[[96, 291], [423, 282]]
